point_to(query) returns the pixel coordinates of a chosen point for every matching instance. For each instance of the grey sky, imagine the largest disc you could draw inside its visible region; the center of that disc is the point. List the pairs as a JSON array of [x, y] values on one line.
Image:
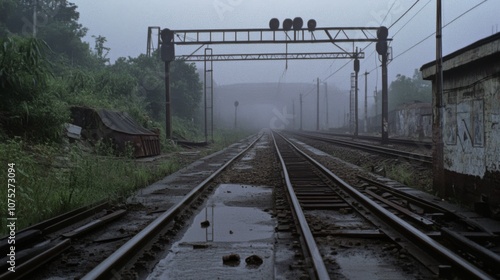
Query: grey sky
[[124, 23]]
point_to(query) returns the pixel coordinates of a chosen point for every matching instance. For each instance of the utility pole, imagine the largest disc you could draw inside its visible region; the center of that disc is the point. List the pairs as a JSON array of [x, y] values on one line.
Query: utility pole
[[236, 103], [356, 71], [300, 111], [293, 113], [326, 99], [317, 104], [438, 125], [381, 48], [167, 55], [366, 101]]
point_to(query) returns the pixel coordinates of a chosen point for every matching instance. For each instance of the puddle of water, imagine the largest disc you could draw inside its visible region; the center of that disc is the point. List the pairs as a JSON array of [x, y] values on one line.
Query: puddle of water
[[245, 229], [231, 223]]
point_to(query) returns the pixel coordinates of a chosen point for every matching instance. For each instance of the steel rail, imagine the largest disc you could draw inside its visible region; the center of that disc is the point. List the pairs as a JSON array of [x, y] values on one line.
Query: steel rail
[[108, 268], [381, 150], [407, 142], [317, 260], [30, 265], [402, 226]]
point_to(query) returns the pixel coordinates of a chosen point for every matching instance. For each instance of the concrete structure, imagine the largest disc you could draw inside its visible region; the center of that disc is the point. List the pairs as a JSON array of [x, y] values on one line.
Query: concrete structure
[[412, 121], [470, 170]]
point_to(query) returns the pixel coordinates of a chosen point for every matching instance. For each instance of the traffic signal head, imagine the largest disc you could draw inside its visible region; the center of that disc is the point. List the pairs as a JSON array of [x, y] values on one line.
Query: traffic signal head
[[311, 25], [382, 33], [287, 24], [297, 23], [167, 45], [274, 24]]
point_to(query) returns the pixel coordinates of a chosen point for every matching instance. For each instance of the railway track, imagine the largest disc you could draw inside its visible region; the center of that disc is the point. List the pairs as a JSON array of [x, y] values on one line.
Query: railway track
[[407, 142], [373, 148], [316, 187], [384, 225], [46, 241], [39, 243]]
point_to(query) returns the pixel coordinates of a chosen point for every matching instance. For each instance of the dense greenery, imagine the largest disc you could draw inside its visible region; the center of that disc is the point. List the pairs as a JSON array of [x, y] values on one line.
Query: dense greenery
[[42, 77], [48, 183], [406, 90]]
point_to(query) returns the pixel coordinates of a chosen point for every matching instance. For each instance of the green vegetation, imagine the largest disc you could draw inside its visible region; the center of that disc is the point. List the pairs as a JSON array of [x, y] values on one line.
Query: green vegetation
[[43, 74], [48, 183], [406, 90]]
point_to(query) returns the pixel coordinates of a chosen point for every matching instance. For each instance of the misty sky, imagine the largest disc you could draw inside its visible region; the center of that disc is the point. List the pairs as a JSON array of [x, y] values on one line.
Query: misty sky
[[124, 23]]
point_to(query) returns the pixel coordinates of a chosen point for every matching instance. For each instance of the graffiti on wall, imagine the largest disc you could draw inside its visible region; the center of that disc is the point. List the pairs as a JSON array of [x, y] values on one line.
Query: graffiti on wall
[[465, 121], [478, 123], [451, 125]]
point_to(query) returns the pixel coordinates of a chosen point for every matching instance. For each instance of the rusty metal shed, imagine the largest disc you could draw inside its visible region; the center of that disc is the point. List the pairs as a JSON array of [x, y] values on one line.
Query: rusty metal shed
[[117, 128], [467, 166]]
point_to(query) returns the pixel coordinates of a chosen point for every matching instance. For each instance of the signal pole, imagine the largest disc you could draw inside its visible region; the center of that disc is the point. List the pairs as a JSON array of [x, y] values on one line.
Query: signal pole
[[326, 99], [317, 104], [356, 71], [301, 111], [438, 125], [366, 101]]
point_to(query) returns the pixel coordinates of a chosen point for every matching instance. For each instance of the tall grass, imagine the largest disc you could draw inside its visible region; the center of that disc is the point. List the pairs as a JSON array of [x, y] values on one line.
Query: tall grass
[[48, 183], [52, 178]]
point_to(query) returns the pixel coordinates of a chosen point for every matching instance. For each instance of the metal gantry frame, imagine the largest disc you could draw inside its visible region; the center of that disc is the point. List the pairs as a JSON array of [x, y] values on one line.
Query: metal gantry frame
[[206, 37]]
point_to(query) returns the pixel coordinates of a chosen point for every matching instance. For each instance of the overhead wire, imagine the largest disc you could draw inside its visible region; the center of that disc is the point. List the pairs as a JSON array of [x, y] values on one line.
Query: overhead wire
[[418, 12], [404, 14], [455, 19], [427, 37], [394, 2]]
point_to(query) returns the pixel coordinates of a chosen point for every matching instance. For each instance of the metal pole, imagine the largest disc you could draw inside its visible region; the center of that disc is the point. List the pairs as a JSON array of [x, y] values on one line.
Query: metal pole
[[385, 104], [438, 126], [356, 104], [205, 95], [301, 111], [235, 116], [366, 101], [293, 113], [168, 112], [326, 97], [317, 104]]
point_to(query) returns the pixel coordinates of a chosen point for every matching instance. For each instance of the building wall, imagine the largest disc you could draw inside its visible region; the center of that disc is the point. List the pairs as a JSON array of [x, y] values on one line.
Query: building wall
[[471, 133], [466, 130]]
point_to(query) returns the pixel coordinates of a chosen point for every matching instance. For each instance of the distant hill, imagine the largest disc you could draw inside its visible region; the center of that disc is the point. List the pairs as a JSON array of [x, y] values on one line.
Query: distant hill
[[271, 104]]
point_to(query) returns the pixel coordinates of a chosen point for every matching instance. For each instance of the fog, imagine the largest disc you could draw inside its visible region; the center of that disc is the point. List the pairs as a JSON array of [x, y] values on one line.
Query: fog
[[124, 23]]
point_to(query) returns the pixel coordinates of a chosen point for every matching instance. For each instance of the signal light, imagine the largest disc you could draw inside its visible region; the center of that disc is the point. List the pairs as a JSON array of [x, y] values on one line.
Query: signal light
[[287, 24], [274, 24], [311, 25], [356, 65], [167, 47], [297, 23], [381, 46]]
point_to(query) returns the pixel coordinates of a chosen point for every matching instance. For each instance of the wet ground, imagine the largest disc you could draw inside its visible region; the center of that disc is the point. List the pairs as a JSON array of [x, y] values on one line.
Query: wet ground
[[230, 223]]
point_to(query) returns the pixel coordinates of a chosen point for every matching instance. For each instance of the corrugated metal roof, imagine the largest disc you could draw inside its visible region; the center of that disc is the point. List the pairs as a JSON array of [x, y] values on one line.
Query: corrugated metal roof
[[122, 122]]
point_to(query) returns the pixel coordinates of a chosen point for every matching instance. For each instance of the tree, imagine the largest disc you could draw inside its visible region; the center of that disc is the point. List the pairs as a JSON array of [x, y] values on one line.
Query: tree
[[186, 89], [406, 90], [27, 108], [56, 24]]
